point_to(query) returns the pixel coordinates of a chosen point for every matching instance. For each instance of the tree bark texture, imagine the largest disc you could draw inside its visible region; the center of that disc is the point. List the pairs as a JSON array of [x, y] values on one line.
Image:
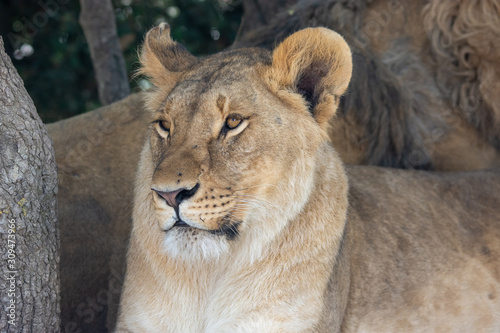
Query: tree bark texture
[[97, 19], [29, 236]]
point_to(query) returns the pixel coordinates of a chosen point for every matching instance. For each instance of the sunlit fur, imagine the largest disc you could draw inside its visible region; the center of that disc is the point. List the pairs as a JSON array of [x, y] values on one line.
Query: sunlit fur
[[289, 201]]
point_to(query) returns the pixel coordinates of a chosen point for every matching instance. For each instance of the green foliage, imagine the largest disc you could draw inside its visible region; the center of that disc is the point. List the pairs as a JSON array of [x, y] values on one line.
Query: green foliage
[[59, 75]]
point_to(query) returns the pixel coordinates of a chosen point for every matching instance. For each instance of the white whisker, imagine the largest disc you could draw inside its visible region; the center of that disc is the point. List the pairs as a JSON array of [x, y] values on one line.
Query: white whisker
[[251, 187]]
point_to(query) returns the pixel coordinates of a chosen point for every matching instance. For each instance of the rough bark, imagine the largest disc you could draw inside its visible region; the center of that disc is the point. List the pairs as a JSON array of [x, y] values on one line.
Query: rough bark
[[29, 236], [97, 19]]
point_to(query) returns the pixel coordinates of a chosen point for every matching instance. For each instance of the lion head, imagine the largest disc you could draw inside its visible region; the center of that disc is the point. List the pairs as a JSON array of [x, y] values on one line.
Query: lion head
[[234, 140]]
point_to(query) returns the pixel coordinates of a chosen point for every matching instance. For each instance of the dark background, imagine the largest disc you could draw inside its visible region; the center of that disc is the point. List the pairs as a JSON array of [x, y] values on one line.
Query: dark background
[[47, 46]]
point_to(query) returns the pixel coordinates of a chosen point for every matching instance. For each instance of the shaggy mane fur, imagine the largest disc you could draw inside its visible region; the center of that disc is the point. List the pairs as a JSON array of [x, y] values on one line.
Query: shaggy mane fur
[[464, 37], [396, 100], [385, 99]]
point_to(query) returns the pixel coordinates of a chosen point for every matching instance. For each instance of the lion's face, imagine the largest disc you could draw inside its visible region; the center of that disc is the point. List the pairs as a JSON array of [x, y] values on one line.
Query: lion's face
[[224, 144], [231, 153]]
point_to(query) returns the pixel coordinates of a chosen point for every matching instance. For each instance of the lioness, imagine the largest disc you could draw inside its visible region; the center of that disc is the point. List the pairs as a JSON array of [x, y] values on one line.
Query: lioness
[[240, 214], [423, 89]]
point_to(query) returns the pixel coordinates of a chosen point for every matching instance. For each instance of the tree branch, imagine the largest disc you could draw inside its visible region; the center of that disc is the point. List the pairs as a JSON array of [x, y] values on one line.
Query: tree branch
[[98, 22]]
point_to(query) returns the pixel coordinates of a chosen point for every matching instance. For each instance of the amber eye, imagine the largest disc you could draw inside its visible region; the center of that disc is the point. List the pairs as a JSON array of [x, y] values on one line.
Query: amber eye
[[164, 125], [233, 121]]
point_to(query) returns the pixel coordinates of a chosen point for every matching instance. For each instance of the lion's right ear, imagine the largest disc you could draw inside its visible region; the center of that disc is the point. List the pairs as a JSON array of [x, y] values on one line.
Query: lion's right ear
[[316, 64], [162, 59]]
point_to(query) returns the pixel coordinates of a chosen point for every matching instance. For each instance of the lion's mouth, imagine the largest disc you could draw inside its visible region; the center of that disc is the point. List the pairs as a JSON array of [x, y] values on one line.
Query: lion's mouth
[[181, 223], [228, 230]]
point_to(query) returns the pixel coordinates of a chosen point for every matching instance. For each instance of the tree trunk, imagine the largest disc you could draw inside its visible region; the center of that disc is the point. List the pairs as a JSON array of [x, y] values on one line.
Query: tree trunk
[[29, 236], [97, 19]]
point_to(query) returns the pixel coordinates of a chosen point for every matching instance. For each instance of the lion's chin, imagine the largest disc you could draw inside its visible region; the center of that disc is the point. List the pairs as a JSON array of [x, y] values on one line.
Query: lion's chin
[[192, 244]]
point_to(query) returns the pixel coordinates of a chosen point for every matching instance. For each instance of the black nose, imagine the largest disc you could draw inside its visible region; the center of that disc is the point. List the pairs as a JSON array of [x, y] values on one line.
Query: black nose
[[174, 198]]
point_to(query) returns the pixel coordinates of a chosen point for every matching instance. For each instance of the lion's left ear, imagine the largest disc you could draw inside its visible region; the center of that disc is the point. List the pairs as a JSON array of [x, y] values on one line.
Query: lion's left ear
[[317, 64], [162, 59]]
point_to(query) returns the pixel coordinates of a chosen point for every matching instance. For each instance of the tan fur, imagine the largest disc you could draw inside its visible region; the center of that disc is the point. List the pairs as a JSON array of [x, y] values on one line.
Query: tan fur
[[97, 155], [294, 60], [407, 258], [155, 54], [423, 252], [396, 112], [224, 284]]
